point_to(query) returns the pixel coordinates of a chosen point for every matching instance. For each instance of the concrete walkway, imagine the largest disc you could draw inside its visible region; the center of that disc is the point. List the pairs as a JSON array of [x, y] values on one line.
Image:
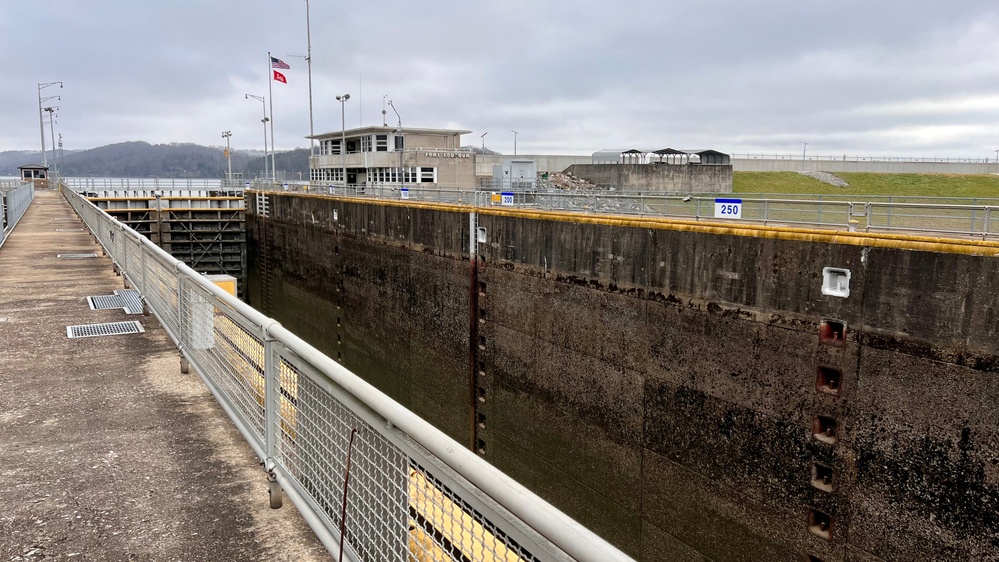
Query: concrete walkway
[[108, 451]]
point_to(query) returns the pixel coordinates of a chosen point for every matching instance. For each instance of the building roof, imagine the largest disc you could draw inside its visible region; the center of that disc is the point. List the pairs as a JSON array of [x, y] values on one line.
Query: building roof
[[378, 129], [33, 167]]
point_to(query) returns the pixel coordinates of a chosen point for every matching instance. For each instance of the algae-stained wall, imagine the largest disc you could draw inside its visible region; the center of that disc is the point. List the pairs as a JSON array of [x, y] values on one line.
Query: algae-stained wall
[[663, 384]]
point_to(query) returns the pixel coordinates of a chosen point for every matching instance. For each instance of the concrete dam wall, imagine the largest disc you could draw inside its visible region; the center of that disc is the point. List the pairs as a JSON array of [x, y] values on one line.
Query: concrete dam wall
[[658, 177], [683, 389]]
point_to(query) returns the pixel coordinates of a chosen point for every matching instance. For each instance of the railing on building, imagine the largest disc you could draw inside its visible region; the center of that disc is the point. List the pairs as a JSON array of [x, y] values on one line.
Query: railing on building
[[15, 197], [412, 493]]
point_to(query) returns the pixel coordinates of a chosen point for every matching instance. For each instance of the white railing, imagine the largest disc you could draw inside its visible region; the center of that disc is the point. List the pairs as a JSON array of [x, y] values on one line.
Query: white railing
[[935, 215], [143, 184], [15, 197], [849, 158], [363, 471]]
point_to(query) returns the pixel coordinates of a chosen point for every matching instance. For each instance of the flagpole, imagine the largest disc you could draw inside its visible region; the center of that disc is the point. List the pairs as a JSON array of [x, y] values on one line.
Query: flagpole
[[270, 88], [308, 60]]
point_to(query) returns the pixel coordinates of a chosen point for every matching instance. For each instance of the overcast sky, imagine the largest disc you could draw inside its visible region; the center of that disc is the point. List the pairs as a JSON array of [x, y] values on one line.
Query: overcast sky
[[910, 77]]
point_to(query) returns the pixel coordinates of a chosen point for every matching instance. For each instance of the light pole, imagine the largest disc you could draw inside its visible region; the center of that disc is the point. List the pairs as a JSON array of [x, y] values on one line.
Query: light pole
[[515, 133], [41, 125], [343, 136], [308, 61], [263, 103], [803, 148], [228, 156], [483, 135], [51, 112], [402, 149], [997, 159]]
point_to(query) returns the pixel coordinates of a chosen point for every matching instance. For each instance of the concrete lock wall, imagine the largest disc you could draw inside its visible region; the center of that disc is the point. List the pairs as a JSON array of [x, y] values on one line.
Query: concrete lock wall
[[685, 178], [664, 383]]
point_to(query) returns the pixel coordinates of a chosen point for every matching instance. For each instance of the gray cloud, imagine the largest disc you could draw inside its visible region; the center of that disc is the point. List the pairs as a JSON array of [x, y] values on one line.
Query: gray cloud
[[892, 77]]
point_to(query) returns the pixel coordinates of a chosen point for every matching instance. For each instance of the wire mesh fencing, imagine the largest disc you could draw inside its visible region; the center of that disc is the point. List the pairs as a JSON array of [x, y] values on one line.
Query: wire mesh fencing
[[372, 479], [15, 197]]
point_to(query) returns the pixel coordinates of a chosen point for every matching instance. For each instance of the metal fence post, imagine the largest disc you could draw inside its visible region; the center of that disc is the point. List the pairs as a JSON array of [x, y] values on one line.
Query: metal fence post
[[271, 384], [142, 259], [766, 211], [985, 224]]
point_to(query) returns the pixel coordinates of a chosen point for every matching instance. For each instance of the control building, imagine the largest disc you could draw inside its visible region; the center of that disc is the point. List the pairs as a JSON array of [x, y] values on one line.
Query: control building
[[381, 155]]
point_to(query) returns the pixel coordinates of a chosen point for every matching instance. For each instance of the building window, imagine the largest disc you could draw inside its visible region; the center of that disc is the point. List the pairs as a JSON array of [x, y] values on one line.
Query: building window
[[351, 146], [334, 146], [409, 175], [400, 142], [381, 143], [366, 143], [428, 175]]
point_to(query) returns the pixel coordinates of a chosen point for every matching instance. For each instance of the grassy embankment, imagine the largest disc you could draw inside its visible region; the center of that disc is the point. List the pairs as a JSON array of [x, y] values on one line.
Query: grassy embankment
[[863, 184]]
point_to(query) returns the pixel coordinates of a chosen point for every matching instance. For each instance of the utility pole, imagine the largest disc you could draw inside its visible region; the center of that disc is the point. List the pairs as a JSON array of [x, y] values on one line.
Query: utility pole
[[402, 149], [483, 136], [515, 133], [51, 111], [228, 153], [343, 136], [308, 61], [41, 124], [263, 103]]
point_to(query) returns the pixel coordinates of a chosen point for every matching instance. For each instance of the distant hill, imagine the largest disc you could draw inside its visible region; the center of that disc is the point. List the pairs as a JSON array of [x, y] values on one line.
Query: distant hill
[[143, 160]]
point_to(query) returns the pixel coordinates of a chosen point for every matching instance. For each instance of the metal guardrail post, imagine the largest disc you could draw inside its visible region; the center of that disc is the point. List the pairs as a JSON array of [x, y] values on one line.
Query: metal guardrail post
[[272, 383], [766, 211], [985, 223], [867, 213]]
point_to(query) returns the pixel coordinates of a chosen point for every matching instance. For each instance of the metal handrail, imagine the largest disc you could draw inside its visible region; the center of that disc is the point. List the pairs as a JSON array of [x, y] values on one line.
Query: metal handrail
[[14, 202], [848, 158], [198, 314], [822, 210]]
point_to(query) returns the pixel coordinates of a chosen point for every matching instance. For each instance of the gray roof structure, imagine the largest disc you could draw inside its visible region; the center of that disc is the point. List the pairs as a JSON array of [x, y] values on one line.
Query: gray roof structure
[[668, 155]]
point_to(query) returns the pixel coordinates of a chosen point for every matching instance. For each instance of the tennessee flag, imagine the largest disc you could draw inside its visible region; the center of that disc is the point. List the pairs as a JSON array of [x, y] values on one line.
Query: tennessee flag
[[280, 77]]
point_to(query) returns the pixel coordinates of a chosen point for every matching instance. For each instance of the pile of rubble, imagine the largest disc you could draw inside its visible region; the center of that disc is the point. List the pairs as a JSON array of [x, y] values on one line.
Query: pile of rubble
[[826, 177], [567, 181]]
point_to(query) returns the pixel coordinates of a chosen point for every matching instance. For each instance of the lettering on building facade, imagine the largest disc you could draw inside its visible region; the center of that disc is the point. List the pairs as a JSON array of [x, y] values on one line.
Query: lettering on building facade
[[447, 155]]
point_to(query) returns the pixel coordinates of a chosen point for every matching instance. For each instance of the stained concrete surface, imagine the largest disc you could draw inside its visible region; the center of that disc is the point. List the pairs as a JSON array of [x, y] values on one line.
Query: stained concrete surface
[[661, 385], [109, 452]]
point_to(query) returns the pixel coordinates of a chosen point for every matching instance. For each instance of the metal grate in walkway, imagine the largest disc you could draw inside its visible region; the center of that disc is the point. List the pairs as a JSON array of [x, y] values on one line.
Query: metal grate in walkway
[[128, 300], [107, 329]]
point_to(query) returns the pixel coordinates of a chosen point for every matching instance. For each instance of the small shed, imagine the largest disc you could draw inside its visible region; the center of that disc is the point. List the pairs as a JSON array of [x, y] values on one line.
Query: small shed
[[35, 173]]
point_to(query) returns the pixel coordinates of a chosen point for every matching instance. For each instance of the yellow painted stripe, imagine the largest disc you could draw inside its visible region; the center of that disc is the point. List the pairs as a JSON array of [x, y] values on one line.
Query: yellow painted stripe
[[457, 525], [816, 235]]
